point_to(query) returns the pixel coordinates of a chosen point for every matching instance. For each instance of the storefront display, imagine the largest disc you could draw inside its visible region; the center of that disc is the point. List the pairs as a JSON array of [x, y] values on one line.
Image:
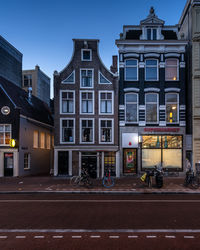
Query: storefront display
[[130, 160], [110, 162]]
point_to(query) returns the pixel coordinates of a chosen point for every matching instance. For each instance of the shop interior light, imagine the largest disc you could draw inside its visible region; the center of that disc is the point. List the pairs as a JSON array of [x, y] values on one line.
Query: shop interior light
[[174, 78], [174, 107]]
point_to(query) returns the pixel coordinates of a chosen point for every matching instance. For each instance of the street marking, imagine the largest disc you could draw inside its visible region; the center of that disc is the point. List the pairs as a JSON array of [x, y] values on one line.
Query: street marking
[[3, 237], [76, 236], [20, 237], [151, 236], [39, 237], [95, 236], [188, 237], [58, 236], [170, 236], [114, 236], [132, 236]]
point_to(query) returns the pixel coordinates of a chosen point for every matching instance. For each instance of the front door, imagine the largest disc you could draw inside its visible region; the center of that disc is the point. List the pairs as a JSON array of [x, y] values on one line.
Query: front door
[[89, 162], [63, 162], [130, 161], [8, 164]]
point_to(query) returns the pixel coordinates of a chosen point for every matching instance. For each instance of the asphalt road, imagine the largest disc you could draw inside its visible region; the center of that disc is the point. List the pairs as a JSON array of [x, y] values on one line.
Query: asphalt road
[[52, 221]]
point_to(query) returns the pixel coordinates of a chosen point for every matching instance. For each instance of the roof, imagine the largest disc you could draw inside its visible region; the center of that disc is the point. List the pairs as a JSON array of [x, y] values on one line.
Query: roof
[[35, 109]]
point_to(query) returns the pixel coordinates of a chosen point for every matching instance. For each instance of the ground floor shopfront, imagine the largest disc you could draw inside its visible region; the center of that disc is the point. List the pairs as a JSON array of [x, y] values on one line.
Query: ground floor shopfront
[[147, 147], [9, 159], [97, 160]]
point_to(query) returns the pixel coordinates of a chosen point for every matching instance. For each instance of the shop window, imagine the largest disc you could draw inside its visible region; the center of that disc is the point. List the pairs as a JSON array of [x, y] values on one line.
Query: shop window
[[131, 70], [106, 102], [87, 131], [87, 102], [171, 70], [86, 78], [67, 102], [131, 101], [151, 101], [151, 70], [35, 139], [5, 134], [171, 101], [106, 131], [165, 150], [27, 161], [130, 161], [67, 130], [109, 162]]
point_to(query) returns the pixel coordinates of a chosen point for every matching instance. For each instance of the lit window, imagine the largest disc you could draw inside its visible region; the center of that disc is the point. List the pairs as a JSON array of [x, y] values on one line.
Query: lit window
[[87, 103], [171, 100], [105, 131], [5, 134], [87, 129], [42, 140], [48, 141], [67, 130], [151, 70], [86, 55], [131, 70], [86, 78], [106, 99], [151, 101], [67, 102], [171, 70], [131, 101], [35, 139]]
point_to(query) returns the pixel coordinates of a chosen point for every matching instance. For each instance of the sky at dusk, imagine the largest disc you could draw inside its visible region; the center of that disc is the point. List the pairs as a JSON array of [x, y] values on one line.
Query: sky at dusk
[[42, 30]]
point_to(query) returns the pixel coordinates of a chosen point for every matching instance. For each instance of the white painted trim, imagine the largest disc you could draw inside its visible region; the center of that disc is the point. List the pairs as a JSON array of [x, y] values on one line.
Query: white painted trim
[[121, 123], [102, 164], [151, 90], [33, 120], [74, 101], [106, 119], [157, 108], [61, 119], [172, 55], [121, 107], [172, 90], [161, 65], [130, 80], [92, 78], [99, 72], [98, 165], [127, 122], [131, 55], [154, 80], [162, 107], [73, 72], [93, 123], [182, 123], [106, 91], [141, 107], [131, 90], [121, 64], [142, 123], [182, 64], [93, 102], [182, 107], [162, 123], [151, 55], [86, 60], [141, 65]]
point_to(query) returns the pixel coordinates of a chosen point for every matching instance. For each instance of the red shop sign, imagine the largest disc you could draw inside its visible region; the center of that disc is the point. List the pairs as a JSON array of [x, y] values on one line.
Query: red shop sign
[[162, 130]]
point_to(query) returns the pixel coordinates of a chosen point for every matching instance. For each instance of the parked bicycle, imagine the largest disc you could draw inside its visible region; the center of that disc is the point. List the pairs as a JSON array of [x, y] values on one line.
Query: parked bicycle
[[82, 180], [192, 180], [108, 180]]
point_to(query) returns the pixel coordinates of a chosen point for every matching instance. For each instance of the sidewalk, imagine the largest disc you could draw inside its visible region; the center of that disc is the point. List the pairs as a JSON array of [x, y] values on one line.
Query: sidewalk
[[50, 184]]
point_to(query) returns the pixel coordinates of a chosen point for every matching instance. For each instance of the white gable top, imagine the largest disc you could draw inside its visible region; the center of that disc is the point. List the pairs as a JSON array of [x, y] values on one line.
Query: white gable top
[[152, 19], [103, 79], [70, 79]]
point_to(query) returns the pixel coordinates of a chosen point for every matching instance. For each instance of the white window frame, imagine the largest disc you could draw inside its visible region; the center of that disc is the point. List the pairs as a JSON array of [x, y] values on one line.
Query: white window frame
[[157, 95], [106, 91], [92, 78], [61, 119], [134, 103], [87, 60], [29, 161], [109, 82], [93, 102], [92, 119], [172, 103], [177, 60], [151, 28], [74, 99], [4, 144], [125, 66], [73, 72], [154, 80], [105, 119]]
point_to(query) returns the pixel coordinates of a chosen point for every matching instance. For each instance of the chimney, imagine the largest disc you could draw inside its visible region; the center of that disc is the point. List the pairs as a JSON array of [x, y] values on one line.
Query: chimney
[[29, 94], [113, 67]]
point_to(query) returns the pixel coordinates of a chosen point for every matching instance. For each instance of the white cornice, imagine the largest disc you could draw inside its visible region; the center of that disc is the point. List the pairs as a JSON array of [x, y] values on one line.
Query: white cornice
[[131, 90], [172, 90], [151, 90]]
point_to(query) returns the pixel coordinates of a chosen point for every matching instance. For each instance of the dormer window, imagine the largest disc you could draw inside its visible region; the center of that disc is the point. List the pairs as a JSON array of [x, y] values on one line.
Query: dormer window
[[151, 34], [86, 55]]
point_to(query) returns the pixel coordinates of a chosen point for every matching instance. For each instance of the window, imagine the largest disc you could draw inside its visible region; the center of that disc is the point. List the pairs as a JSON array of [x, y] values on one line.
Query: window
[[87, 102], [151, 34], [67, 130], [106, 102], [165, 150], [86, 55], [35, 139], [171, 70], [151, 70], [106, 131], [70, 79], [5, 134], [27, 161], [86, 78], [131, 108], [171, 101], [151, 101], [87, 131], [103, 79], [27, 80], [131, 70], [67, 102], [42, 140], [48, 141]]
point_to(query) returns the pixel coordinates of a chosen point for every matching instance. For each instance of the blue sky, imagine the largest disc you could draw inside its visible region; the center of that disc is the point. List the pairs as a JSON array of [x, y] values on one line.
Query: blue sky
[[43, 29]]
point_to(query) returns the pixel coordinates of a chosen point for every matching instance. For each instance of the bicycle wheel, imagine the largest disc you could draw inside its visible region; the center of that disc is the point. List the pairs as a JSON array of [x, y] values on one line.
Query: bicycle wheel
[[108, 182], [74, 180]]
